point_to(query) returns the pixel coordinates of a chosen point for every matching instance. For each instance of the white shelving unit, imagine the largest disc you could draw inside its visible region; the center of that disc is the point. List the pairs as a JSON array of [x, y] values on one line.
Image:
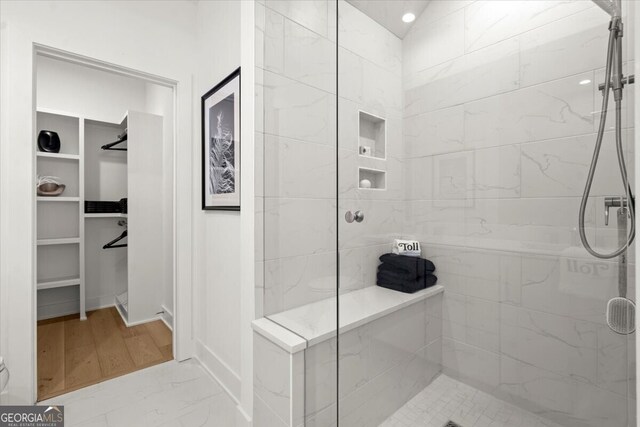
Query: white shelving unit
[[58, 199], [70, 249], [58, 266], [105, 215], [61, 241], [141, 300], [58, 156], [59, 283]]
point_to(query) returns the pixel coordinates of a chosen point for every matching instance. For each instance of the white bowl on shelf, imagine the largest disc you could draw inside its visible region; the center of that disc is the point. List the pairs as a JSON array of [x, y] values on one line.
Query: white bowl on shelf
[[365, 183]]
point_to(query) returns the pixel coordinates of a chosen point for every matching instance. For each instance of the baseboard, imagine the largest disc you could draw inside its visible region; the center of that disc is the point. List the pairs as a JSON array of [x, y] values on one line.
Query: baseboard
[[66, 308], [50, 311], [167, 317], [137, 322], [99, 302], [219, 370]]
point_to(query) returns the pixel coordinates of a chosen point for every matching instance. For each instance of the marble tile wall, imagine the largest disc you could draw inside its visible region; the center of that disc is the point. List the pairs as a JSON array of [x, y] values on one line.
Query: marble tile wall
[[299, 184], [369, 80], [500, 114], [296, 105], [278, 384], [296, 119], [383, 364]]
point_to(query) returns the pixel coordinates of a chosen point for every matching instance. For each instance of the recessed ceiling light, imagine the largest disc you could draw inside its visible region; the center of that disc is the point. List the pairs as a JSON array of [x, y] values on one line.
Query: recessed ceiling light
[[585, 82], [408, 17]]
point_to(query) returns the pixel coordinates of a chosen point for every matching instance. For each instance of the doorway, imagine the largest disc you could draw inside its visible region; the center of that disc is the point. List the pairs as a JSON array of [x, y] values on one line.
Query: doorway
[[104, 200]]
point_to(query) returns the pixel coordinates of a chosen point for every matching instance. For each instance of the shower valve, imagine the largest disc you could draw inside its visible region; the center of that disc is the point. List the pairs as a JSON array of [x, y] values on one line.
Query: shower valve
[[613, 202], [356, 216], [629, 80]]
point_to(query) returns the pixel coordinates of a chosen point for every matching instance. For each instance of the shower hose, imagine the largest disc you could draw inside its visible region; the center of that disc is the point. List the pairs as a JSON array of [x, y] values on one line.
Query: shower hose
[[614, 61]]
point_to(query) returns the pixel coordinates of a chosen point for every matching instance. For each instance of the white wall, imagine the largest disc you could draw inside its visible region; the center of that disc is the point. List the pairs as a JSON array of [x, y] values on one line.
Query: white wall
[[223, 245], [217, 324], [96, 94], [156, 38]]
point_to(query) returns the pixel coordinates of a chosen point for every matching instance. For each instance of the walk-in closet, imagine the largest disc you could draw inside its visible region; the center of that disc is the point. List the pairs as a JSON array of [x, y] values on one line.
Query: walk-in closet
[[104, 224]]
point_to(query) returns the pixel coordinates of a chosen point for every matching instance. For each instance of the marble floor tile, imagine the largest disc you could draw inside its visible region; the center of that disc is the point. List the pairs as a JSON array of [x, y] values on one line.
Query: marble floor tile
[[170, 394], [448, 399]]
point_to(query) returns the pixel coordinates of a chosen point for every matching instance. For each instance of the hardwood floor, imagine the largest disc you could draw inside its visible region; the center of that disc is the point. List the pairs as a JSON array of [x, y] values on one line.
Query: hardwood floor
[[73, 354]]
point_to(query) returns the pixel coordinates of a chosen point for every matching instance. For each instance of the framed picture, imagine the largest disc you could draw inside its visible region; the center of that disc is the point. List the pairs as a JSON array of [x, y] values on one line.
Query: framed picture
[[221, 145]]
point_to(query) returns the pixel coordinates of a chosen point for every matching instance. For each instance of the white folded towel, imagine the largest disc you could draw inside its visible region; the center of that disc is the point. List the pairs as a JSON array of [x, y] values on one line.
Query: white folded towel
[[407, 247]]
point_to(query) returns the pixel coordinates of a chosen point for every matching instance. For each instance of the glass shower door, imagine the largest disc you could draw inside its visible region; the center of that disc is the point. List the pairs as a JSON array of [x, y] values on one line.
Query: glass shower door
[[389, 342], [297, 264]]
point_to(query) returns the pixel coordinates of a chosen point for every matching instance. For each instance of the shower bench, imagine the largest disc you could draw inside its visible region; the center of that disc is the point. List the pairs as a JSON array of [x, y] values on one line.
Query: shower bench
[[385, 336]]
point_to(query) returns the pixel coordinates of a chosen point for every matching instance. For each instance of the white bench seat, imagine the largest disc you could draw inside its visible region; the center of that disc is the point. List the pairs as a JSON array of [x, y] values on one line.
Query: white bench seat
[[316, 322]]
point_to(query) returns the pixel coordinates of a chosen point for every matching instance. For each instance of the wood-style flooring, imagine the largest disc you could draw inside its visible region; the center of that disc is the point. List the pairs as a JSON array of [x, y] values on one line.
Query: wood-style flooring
[[73, 354]]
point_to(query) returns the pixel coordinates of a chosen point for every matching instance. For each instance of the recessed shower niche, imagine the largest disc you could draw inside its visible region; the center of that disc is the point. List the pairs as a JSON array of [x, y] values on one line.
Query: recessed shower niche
[[372, 135], [371, 179]]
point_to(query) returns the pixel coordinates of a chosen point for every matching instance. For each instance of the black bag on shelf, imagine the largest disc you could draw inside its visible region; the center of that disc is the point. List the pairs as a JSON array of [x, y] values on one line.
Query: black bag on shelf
[[99, 206], [123, 205]]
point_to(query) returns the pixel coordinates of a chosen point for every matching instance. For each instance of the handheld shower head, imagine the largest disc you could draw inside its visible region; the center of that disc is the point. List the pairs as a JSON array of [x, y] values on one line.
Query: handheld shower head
[[613, 80]]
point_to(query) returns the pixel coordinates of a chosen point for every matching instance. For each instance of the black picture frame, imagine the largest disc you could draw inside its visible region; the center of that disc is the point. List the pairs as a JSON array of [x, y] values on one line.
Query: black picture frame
[[221, 162]]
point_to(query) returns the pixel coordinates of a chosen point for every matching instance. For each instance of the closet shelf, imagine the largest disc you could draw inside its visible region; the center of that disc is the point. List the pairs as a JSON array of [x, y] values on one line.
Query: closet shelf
[[63, 241], [61, 156], [58, 283], [58, 199], [105, 215]]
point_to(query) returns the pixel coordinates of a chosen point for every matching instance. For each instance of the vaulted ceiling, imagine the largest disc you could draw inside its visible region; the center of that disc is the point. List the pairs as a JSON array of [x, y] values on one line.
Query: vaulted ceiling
[[388, 13]]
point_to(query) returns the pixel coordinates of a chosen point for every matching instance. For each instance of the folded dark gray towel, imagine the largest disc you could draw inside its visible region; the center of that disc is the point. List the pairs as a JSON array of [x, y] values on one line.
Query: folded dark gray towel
[[390, 276], [397, 272], [406, 286], [416, 267], [393, 273]]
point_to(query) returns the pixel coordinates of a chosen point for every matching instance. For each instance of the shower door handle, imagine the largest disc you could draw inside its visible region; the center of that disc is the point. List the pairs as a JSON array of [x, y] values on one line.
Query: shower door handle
[[356, 216]]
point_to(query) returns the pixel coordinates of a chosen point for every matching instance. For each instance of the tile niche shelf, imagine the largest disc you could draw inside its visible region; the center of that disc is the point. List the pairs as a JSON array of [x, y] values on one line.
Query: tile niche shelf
[[372, 179], [372, 135]]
